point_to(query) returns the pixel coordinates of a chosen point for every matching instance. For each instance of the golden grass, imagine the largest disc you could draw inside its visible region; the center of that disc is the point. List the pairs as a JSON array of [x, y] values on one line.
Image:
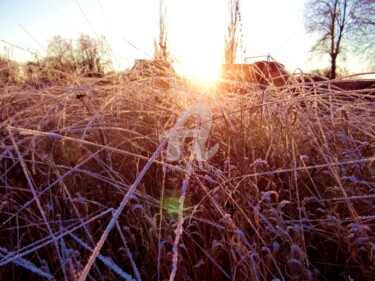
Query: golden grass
[[84, 182]]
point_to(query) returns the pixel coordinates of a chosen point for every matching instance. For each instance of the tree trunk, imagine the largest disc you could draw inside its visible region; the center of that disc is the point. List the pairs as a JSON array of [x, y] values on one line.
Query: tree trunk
[[332, 74]]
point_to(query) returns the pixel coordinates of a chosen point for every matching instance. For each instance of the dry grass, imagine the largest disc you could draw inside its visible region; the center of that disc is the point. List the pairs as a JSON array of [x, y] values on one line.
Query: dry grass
[[84, 183]]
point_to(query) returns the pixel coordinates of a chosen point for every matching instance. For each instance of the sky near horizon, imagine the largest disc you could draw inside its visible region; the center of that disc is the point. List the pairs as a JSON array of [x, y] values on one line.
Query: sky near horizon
[[196, 30]]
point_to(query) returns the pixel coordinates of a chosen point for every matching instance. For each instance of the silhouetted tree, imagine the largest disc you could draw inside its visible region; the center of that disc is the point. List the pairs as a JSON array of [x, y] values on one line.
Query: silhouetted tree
[[91, 55], [60, 59], [88, 56], [366, 33], [231, 38], [161, 50], [341, 25]]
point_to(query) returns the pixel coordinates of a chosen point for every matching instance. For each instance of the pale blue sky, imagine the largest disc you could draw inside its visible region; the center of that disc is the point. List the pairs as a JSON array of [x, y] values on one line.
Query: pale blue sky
[[196, 29]]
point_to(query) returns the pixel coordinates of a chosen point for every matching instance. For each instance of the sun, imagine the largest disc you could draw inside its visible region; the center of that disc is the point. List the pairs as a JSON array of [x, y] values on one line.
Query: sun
[[207, 73], [198, 37], [203, 62], [202, 71]]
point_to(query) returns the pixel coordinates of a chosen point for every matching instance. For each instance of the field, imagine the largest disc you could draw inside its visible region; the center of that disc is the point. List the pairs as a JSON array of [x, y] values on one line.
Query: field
[[87, 189]]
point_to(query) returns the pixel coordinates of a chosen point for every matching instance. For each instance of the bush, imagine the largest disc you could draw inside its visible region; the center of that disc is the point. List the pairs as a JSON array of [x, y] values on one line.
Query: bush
[[8, 71]]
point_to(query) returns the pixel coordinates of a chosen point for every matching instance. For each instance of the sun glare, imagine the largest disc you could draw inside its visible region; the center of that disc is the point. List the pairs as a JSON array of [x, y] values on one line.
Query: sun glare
[[202, 66], [205, 72], [198, 38]]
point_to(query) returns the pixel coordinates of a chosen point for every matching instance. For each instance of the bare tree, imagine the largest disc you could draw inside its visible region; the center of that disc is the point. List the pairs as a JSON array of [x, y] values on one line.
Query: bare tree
[[91, 55], [88, 56], [341, 26], [231, 38], [161, 50], [60, 55], [365, 35]]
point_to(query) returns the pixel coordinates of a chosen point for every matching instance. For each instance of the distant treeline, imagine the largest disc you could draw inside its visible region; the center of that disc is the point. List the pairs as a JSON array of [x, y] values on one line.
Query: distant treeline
[[86, 56]]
